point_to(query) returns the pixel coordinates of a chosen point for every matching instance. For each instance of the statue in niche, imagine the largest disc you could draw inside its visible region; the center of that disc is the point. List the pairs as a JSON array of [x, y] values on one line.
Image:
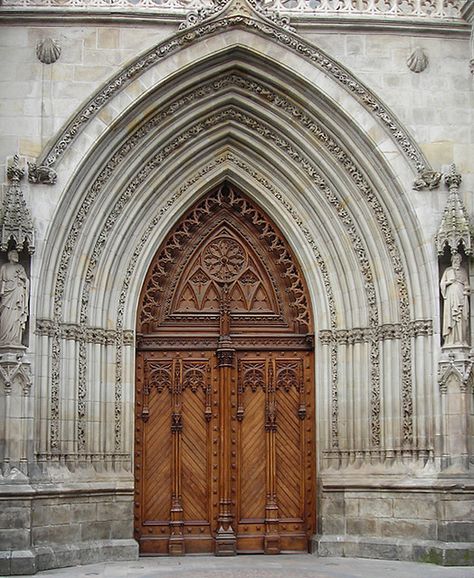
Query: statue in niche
[[14, 296], [455, 291]]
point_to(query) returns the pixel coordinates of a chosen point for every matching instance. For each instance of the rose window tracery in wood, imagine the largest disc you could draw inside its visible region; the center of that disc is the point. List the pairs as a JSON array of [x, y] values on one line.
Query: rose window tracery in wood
[[224, 259], [225, 241]]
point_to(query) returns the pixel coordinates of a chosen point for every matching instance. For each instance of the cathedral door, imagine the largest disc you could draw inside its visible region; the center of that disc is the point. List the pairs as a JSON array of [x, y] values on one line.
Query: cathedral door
[[224, 444]]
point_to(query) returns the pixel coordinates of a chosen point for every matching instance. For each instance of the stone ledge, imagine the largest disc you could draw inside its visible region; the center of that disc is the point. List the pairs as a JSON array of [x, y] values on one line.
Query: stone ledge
[[431, 551], [24, 562]]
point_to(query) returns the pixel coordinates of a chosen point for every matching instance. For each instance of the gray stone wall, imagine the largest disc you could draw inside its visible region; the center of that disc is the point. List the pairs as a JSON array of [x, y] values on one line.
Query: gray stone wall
[[52, 529], [424, 523]]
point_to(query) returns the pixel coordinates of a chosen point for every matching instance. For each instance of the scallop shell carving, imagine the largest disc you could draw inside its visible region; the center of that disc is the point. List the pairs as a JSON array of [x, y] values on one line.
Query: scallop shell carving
[[417, 61], [48, 51]]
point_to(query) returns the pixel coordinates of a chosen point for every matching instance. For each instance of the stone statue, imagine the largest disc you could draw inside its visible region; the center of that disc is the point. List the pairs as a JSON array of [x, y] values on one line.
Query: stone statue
[[14, 295], [455, 291]]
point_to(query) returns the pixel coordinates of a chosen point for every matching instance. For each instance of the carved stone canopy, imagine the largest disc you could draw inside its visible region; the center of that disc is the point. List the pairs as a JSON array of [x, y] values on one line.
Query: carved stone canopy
[[455, 230], [15, 218]]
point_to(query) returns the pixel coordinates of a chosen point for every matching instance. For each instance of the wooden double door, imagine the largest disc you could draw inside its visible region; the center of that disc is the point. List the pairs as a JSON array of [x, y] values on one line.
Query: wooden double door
[[227, 452], [224, 440]]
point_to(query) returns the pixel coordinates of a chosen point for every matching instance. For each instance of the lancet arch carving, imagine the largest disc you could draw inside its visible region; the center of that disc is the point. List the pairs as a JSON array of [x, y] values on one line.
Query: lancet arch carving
[[225, 240]]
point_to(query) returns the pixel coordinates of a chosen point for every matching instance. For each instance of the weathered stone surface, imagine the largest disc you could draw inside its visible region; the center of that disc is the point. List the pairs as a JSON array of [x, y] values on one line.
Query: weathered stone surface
[[23, 562]]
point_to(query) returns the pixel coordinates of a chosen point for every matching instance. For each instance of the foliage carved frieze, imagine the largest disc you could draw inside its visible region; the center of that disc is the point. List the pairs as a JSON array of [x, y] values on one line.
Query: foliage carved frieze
[[417, 328], [76, 332]]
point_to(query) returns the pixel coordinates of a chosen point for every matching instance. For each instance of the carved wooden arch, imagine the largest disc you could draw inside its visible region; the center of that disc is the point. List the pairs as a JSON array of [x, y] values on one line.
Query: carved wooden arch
[[225, 243]]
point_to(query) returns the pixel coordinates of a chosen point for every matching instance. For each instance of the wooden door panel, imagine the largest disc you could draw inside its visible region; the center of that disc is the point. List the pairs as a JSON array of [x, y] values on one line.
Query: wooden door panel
[[157, 459], [252, 454], [194, 458]]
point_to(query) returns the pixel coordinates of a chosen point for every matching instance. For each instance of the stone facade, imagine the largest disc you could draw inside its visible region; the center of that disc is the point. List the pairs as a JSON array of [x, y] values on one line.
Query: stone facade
[[342, 125]]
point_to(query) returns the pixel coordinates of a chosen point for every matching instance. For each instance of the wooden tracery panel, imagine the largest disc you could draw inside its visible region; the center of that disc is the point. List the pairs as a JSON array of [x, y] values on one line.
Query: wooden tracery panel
[[225, 396]]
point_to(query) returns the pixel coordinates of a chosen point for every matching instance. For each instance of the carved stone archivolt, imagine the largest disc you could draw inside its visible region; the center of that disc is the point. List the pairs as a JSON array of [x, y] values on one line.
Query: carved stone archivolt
[[262, 130], [270, 31]]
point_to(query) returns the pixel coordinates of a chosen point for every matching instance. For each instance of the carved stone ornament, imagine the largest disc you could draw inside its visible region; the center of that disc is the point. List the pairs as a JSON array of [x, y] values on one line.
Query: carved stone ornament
[[15, 218], [427, 180], [15, 368], [455, 230], [248, 8], [48, 51], [417, 61], [460, 367], [41, 175]]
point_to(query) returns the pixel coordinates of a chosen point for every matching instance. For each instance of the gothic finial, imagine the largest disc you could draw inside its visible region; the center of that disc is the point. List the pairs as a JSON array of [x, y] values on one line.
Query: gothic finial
[[455, 229], [16, 229], [14, 172], [452, 179]]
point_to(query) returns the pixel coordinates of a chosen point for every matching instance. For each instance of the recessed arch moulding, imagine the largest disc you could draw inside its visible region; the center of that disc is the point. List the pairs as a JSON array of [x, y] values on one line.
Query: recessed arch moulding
[[242, 106]]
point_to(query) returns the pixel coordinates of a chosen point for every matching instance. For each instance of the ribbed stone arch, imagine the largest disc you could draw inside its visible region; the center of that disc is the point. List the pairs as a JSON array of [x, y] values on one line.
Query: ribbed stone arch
[[337, 197]]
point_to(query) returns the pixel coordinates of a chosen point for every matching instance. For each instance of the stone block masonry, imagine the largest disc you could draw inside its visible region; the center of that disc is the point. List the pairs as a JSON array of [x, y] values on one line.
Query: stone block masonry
[[426, 523], [53, 529]]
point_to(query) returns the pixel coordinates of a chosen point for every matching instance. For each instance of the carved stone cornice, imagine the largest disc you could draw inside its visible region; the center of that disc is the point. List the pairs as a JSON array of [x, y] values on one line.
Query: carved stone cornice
[[417, 328], [15, 217], [430, 10], [455, 230]]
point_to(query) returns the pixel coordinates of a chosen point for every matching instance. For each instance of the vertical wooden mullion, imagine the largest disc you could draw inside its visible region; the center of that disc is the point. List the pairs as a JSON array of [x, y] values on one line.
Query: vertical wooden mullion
[[272, 536], [176, 541]]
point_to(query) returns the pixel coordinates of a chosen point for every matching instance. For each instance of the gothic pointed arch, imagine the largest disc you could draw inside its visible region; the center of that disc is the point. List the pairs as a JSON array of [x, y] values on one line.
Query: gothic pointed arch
[[225, 241], [224, 388]]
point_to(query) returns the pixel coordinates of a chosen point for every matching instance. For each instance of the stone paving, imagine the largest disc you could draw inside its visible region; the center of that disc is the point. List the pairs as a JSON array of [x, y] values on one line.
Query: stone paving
[[294, 566]]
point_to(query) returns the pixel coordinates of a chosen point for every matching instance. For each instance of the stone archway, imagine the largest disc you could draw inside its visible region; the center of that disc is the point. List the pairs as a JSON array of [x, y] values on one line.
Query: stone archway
[[224, 440]]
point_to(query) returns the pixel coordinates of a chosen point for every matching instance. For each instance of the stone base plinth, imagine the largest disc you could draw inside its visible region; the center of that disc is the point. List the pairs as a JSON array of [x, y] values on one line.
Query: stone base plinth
[[44, 527], [21, 562], [430, 551], [416, 520]]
